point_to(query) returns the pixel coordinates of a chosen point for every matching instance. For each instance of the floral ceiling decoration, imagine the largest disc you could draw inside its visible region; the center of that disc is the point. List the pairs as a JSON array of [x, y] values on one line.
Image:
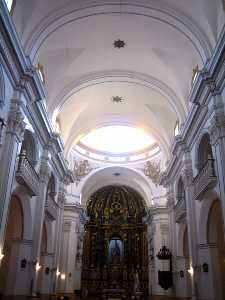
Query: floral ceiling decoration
[[152, 170], [81, 169]]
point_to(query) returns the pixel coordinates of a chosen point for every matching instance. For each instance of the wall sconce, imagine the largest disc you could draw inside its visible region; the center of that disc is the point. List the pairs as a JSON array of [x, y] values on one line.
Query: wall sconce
[[57, 273], [205, 268], [191, 271], [37, 267], [23, 263], [1, 255], [181, 274], [63, 276]]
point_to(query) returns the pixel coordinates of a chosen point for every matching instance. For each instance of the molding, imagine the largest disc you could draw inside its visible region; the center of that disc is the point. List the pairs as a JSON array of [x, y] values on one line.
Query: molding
[[24, 78], [126, 76], [159, 11], [200, 96]]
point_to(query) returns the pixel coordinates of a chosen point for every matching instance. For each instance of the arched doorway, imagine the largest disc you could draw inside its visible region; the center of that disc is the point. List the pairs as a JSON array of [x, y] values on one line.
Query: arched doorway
[[115, 242], [14, 233], [215, 235]]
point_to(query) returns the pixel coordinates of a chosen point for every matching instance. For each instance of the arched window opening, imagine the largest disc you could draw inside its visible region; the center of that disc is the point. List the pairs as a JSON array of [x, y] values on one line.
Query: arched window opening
[[204, 152], [180, 191], [51, 189], [10, 5], [28, 148]]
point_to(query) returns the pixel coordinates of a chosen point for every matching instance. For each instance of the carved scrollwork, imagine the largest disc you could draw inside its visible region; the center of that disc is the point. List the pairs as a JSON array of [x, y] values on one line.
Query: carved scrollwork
[[81, 169], [152, 170]]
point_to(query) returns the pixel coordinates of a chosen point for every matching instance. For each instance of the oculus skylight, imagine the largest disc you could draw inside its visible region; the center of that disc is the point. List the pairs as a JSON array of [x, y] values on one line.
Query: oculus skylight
[[117, 139]]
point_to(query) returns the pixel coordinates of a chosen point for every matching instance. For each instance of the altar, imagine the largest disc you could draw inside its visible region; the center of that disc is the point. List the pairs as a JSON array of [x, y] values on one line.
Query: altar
[[111, 294], [115, 260]]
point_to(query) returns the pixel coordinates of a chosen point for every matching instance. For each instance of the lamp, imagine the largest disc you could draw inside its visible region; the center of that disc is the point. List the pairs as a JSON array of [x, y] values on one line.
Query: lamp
[[1, 255], [37, 267], [191, 271]]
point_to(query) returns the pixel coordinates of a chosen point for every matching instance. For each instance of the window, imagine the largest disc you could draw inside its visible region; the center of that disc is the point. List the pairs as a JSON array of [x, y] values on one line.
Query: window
[[176, 129], [10, 4], [40, 70]]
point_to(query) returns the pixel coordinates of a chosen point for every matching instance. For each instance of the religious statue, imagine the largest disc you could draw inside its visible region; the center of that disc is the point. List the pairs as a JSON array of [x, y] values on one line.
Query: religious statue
[[116, 254], [136, 282]]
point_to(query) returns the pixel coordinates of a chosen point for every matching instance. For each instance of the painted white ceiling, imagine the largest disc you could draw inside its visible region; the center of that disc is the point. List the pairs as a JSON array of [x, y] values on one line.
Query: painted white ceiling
[[73, 40]]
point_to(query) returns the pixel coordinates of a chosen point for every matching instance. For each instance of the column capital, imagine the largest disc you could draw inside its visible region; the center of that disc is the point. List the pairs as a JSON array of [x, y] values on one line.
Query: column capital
[[15, 123], [170, 198], [45, 170], [217, 128], [187, 176], [61, 194]]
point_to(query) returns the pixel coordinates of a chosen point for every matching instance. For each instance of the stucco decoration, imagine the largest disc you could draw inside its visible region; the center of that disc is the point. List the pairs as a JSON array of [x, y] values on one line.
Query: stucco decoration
[[152, 170], [81, 169]]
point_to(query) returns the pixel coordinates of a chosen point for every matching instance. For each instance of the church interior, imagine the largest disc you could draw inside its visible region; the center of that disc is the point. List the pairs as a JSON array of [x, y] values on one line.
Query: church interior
[[112, 149]]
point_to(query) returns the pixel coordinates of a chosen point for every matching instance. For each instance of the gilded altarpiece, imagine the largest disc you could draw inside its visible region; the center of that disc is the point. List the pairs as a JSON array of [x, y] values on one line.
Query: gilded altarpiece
[[115, 242]]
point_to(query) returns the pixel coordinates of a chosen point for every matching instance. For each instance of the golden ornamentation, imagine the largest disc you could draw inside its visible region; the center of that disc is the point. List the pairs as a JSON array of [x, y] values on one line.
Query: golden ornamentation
[[152, 170], [81, 169]]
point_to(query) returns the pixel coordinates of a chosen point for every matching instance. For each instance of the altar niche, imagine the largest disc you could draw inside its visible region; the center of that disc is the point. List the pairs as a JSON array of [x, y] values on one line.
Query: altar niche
[[115, 243]]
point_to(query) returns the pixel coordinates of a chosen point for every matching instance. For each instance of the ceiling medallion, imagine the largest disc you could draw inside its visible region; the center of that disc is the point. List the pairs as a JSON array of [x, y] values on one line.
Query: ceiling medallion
[[117, 99], [119, 44], [116, 174]]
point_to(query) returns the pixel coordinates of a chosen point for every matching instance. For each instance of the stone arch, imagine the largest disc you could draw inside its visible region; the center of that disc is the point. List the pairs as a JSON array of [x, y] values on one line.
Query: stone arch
[[203, 219], [94, 181], [216, 239], [165, 14], [14, 233], [215, 223], [21, 193]]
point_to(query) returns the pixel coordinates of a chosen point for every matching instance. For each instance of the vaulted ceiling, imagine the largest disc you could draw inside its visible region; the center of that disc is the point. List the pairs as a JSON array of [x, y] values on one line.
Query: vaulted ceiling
[[164, 41]]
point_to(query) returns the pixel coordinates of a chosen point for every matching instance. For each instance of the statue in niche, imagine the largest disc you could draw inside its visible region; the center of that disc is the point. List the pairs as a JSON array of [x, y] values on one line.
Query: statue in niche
[[115, 251], [136, 282]]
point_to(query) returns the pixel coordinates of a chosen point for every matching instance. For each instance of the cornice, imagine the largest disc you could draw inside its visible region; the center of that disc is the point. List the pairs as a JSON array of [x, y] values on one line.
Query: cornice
[[19, 65], [24, 77], [205, 87]]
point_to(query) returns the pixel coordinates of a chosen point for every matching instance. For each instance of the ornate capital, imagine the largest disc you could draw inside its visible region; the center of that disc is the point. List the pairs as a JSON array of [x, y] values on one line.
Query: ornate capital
[[170, 198], [45, 171], [187, 176], [15, 123], [217, 128], [62, 195]]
